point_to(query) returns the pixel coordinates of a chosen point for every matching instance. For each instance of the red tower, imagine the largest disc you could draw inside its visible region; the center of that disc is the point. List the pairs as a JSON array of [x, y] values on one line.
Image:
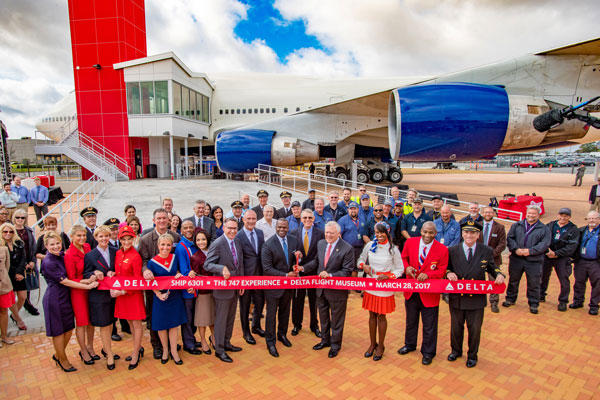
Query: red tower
[[105, 32]]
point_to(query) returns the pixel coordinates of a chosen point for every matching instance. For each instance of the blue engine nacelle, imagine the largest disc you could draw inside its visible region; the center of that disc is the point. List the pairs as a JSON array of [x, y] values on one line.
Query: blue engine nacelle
[[447, 122], [243, 149]]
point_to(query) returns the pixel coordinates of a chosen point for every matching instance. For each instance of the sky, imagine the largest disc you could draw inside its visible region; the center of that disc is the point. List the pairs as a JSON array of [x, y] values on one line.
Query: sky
[[328, 38]]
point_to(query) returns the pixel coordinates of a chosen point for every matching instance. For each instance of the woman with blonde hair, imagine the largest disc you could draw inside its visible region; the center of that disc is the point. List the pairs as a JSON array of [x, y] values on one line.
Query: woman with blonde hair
[[27, 235], [16, 272], [74, 265], [58, 311]]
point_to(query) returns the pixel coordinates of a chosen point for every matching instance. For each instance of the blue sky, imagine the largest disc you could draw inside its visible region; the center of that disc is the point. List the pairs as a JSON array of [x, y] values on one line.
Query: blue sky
[[283, 36]]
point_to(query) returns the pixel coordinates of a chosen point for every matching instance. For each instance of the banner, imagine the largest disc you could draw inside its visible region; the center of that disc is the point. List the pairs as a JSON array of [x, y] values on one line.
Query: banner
[[276, 282]]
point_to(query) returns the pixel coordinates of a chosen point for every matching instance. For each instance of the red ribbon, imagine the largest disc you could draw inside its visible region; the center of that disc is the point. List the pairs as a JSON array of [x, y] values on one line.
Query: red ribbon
[[280, 282]]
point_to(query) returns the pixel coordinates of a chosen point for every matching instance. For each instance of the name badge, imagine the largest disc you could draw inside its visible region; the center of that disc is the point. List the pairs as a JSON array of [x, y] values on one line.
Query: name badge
[[442, 240], [583, 251], [414, 228], [494, 235], [557, 236], [358, 236]]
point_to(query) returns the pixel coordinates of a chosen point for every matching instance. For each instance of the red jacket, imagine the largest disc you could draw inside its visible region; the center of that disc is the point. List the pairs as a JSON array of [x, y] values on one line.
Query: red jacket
[[434, 266]]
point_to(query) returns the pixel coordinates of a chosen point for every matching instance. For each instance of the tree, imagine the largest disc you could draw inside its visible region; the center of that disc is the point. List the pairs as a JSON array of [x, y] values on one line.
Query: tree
[[587, 148]]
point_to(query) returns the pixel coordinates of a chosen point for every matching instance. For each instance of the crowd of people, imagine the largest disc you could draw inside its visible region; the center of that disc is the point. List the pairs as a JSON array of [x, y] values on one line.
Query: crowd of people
[[340, 236]]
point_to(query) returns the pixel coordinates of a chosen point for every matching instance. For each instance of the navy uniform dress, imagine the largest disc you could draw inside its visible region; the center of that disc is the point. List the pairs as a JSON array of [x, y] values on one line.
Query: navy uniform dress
[[58, 311], [171, 312]]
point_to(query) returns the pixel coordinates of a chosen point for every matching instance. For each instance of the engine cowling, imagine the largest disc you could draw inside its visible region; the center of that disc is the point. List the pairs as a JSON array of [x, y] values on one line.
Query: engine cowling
[[242, 150], [447, 122]]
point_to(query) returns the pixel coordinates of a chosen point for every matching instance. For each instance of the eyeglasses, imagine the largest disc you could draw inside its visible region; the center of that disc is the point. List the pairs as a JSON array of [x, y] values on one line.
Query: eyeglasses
[[19, 217], [378, 210], [8, 232], [362, 190]]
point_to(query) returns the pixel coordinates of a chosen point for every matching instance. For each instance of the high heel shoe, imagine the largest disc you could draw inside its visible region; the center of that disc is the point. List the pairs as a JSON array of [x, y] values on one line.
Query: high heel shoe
[[140, 355], [128, 358], [86, 362], [72, 369], [379, 357], [164, 360], [21, 327], [206, 351], [368, 353], [95, 357], [115, 356], [110, 366], [180, 362]]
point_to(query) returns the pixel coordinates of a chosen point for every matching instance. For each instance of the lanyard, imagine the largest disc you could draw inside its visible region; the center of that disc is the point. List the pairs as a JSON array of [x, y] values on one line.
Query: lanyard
[[528, 231], [588, 236]]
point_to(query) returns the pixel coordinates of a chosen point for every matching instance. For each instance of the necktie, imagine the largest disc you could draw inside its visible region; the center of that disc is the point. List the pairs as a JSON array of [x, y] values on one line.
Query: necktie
[[306, 243], [327, 255], [285, 251], [253, 242], [234, 254], [423, 256], [470, 255], [486, 232], [202, 226]]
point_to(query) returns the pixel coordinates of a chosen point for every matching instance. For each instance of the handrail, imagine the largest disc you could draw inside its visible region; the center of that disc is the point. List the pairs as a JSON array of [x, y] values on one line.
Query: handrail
[[330, 183], [104, 153]]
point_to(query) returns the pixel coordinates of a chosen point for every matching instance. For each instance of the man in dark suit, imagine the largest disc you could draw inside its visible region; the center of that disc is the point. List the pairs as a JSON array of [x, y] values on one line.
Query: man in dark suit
[[89, 215], [493, 235], [148, 249], [310, 202], [200, 221], [225, 258], [252, 241], [113, 224], [278, 259], [308, 236], [286, 210], [236, 208], [469, 260], [594, 198], [263, 199], [335, 258], [424, 258]]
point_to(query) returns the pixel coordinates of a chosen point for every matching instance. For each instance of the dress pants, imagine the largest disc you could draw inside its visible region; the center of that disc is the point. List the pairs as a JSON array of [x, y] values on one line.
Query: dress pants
[[429, 315], [255, 296], [494, 297], [595, 206], [578, 179], [332, 315], [584, 270], [40, 212], [563, 272], [154, 339], [224, 318], [188, 329], [533, 272], [474, 320], [298, 307], [278, 311]]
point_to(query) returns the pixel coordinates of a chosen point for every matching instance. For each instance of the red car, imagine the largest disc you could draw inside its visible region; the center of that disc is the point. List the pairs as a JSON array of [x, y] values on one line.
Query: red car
[[526, 164]]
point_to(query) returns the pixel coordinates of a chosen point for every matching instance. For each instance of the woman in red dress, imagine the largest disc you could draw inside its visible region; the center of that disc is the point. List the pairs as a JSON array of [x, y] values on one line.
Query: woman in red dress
[[84, 331], [130, 305]]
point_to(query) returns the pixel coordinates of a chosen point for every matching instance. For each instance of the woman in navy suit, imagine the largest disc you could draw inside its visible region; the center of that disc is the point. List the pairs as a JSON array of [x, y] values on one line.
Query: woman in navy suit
[[101, 262]]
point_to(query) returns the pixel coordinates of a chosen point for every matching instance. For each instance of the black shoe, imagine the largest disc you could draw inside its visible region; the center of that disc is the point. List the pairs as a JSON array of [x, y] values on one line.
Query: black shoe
[[116, 338], [368, 353], [508, 303], [495, 308], [283, 339], [249, 339], [471, 363], [207, 352], [115, 356], [177, 362], [133, 366], [453, 356], [157, 353], [164, 360], [317, 332], [575, 306], [128, 358], [321, 346], [140, 355], [332, 353], [533, 310], [543, 299], [296, 330], [30, 308], [378, 357], [86, 362], [562, 307], [223, 357], [232, 348], [593, 311], [405, 350], [95, 357], [259, 332], [194, 351], [178, 347], [198, 344], [273, 351], [426, 360], [72, 369]]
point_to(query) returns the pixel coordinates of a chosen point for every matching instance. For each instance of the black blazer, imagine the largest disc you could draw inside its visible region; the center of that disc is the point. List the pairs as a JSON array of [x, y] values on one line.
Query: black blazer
[[90, 239], [209, 226], [259, 212], [592, 197], [219, 256], [274, 260], [317, 235], [281, 213], [93, 261], [482, 262], [341, 264], [252, 260]]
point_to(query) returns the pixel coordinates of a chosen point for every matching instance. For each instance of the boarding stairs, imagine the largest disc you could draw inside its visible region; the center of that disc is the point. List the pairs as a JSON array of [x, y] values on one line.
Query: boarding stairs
[[88, 153]]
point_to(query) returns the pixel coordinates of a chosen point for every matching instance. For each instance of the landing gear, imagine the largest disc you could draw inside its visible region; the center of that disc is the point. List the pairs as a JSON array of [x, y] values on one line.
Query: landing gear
[[362, 177], [395, 175], [377, 175]]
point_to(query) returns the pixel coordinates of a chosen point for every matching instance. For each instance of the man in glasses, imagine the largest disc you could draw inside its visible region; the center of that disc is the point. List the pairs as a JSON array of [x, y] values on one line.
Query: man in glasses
[[9, 200], [369, 230], [362, 190], [411, 224], [333, 207]]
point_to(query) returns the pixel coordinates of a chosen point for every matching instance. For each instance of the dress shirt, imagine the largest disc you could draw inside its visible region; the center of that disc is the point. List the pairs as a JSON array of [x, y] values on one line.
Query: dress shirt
[[22, 192], [248, 232], [9, 200], [105, 254], [268, 230], [309, 234], [422, 245], [466, 249], [39, 194], [487, 225]]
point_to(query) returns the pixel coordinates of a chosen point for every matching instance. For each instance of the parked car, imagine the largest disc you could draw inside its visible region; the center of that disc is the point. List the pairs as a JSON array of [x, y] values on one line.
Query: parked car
[[526, 164], [588, 161], [544, 162], [566, 162]]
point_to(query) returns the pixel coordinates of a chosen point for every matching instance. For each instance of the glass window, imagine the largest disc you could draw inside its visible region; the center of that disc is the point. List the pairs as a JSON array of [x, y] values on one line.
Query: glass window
[[268, 110], [237, 111], [177, 98], [285, 110], [221, 112], [227, 111], [198, 106], [243, 111], [249, 111], [161, 97], [193, 105], [262, 110], [147, 91], [232, 111], [297, 109], [205, 110], [133, 98], [256, 111], [273, 110], [185, 102]]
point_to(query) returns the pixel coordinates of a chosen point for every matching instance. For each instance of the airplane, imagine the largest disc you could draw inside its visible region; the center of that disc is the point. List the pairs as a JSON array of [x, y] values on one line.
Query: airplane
[[286, 120]]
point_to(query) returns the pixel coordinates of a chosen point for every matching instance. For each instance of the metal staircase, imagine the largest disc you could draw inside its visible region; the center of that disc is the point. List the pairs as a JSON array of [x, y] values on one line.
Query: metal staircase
[[5, 173], [88, 153]]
